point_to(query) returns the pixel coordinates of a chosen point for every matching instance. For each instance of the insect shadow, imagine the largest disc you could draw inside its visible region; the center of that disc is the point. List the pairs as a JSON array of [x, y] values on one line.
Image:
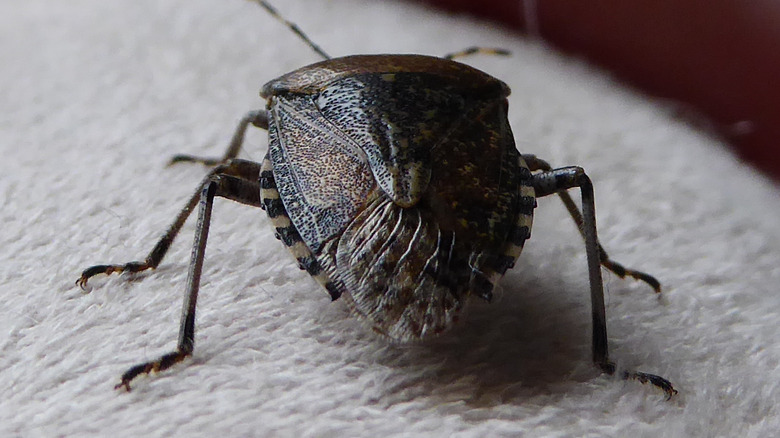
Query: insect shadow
[[531, 342]]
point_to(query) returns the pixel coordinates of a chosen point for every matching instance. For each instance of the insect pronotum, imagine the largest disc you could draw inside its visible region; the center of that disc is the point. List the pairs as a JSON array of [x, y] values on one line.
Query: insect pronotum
[[395, 182]]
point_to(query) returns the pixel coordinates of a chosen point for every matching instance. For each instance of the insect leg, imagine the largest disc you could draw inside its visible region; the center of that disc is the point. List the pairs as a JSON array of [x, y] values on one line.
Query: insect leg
[[257, 118], [534, 164], [245, 170], [555, 181], [238, 181], [155, 256]]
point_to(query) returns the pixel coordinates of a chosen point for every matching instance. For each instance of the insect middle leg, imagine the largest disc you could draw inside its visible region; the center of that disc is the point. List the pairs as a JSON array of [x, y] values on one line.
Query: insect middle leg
[[556, 181], [245, 171], [616, 268]]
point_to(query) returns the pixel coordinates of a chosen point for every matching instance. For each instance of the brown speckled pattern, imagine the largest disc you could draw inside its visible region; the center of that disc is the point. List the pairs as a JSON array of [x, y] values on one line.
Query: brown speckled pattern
[[403, 180]]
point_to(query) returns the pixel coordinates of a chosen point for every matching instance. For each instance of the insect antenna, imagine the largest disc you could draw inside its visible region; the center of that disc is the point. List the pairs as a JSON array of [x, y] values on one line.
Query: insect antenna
[[475, 50], [271, 10]]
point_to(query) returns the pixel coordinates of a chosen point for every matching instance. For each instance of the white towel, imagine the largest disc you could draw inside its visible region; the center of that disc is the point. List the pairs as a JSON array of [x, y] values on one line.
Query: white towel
[[97, 95]]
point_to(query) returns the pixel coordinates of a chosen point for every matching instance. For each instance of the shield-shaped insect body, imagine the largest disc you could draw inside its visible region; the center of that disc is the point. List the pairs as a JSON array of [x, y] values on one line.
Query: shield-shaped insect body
[[401, 184], [395, 182]]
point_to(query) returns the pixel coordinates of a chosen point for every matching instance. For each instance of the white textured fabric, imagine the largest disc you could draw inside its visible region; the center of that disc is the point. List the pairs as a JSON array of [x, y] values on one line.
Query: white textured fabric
[[96, 96]]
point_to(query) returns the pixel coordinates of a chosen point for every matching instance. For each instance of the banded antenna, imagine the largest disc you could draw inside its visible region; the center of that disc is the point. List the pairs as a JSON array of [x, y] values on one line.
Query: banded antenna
[[475, 50], [292, 27]]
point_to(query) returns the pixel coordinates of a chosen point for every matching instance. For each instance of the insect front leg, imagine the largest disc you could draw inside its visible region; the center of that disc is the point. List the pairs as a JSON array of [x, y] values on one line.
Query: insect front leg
[[555, 181], [257, 118], [616, 268], [236, 180]]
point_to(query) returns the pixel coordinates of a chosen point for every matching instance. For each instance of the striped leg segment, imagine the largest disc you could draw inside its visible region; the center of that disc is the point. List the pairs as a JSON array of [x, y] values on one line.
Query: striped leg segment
[[556, 181], [616, 268]]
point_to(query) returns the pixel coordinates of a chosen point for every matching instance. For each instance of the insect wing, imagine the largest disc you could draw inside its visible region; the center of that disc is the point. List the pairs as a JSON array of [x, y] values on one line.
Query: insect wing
[[322, 177]]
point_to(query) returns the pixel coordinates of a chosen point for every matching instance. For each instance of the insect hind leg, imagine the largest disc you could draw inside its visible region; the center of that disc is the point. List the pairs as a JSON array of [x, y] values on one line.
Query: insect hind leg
[[556, 181]]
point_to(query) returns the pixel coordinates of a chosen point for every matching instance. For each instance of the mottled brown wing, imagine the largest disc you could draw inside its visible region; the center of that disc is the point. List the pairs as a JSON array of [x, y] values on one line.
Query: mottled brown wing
[[321, 175]]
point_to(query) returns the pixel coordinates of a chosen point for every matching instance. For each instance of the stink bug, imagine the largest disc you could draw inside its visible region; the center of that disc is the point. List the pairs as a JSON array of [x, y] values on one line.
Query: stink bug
[[395, 182]]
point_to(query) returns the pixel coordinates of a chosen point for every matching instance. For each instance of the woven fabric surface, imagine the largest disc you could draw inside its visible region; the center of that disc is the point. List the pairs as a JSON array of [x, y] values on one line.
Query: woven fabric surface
[[96, 96]]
